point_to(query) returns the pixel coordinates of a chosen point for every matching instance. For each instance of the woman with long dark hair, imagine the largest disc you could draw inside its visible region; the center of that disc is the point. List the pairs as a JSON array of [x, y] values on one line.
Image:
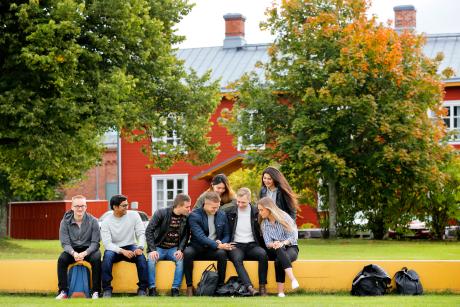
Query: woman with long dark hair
[[221, 186], [275, 186], [280, 236]]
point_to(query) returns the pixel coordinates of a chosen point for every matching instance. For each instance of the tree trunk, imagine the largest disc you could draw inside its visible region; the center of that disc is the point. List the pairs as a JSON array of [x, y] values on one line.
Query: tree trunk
[[3, 217], [332, 191]]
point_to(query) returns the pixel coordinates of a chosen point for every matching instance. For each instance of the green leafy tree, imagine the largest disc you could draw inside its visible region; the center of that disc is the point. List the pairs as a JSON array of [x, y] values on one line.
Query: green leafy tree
[[73, 69], [345, 101]]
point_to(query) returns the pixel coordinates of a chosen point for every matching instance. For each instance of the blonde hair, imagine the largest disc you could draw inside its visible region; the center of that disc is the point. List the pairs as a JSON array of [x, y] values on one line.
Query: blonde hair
[[78, 197], [276, 212], [244, 192]]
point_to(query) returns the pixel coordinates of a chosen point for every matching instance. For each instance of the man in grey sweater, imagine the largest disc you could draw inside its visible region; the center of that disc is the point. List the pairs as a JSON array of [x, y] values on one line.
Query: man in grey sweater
[[123, 236], [79, 235]]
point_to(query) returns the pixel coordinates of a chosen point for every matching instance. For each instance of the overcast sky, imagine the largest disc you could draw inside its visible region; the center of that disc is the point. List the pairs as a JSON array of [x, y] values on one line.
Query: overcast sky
[[204, 26]]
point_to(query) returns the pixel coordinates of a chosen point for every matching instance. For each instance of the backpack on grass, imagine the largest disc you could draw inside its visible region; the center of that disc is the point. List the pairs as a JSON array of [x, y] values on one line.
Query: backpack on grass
[[372, 280], [208, 282], [79, 281], [408, 282]]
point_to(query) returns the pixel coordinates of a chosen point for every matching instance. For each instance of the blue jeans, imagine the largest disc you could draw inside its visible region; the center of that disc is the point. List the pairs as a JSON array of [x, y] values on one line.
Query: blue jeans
[[166, 254], [110, 257]]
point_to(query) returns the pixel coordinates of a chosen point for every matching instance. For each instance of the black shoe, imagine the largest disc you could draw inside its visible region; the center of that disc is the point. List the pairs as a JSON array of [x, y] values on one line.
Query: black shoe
[[153, 291], [141, 292], [174, 292], [107, 293]]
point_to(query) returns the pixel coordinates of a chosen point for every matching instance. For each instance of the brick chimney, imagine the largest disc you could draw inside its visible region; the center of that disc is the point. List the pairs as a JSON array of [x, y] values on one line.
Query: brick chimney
[[405, 18], [234, 31]]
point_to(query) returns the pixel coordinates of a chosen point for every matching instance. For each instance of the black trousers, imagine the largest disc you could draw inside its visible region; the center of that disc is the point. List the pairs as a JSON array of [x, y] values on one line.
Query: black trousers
[[66, 259], [193, 252], [249, 251], [284, 257]]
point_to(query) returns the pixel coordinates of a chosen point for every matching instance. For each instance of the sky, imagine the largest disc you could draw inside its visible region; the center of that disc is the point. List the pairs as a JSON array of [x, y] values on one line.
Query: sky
[[205, 27]]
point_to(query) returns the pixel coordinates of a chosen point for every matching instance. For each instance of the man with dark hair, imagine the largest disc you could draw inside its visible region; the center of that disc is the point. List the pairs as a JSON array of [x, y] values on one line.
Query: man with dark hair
[[79, 235], [210, 235], [119, 233], [245, 232], [167, 236]]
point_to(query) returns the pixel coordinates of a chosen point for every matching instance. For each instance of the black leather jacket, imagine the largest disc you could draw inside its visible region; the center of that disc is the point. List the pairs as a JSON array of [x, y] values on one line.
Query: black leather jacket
[[158, 228], [232, 216], [281, 202]]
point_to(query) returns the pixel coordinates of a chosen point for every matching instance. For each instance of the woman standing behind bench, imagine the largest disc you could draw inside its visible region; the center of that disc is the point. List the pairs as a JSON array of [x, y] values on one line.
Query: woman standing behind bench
[[275, 186], [280, 235], [221, 186]]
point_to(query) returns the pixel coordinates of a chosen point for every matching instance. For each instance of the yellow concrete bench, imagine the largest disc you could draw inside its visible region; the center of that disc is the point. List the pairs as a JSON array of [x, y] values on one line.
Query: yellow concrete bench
[[31, 276]]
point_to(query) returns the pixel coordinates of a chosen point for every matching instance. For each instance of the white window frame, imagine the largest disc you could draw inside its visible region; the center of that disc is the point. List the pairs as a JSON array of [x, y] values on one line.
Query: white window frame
[[175, 177], [240, 146], [450, 104]]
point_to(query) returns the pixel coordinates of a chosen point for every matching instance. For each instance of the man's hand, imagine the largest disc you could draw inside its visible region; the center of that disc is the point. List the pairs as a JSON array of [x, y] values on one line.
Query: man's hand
[[127, 253], [154, 256], [138, 252], [179, 255], [225, 246]]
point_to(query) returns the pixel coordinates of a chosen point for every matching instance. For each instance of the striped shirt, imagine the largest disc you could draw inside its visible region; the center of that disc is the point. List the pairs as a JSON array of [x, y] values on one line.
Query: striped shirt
[[276, 231]]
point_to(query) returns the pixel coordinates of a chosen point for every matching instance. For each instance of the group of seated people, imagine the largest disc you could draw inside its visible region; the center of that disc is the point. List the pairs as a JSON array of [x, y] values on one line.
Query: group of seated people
[[220, 227]]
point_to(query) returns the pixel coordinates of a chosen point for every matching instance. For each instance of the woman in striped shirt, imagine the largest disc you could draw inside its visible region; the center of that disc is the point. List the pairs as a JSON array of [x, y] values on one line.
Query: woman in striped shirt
[[280, 235]]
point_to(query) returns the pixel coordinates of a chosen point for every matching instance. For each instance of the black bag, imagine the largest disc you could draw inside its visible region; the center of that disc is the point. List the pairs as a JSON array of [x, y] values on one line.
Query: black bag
[[408, 282], [208, 282], [233, 287], [372, 280]]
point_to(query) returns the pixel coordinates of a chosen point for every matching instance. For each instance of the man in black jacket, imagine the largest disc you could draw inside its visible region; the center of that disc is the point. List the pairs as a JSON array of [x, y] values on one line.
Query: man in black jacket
[[245, 232], [79, 235], [167, 236]]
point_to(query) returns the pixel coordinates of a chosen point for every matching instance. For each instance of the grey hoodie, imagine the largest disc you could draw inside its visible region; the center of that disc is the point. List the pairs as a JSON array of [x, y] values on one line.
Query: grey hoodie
[[85, 237]]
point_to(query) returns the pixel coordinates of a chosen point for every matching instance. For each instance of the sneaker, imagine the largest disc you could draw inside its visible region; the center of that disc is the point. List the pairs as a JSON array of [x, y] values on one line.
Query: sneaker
[[107, 293], [141, 292], [95, 295], [153, 291], [294, 284], [174, 292], [62, 295], [281, 294]]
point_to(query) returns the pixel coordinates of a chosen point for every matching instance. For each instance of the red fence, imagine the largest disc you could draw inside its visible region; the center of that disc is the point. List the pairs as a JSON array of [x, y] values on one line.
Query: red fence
[[41, 219]]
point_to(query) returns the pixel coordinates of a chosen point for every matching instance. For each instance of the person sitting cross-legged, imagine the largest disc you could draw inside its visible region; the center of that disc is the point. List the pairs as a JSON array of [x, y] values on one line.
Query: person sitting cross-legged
[[245, 233], [167, 234], [209, 239], [119, 232]]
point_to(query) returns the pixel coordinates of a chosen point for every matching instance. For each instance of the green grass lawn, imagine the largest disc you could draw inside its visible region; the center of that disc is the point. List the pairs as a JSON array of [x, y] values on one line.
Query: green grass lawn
[[309, 249], [444, 300]]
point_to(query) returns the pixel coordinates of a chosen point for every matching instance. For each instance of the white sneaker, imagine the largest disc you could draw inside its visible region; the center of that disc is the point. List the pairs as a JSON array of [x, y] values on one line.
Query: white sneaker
[[95, 295], [294, 284], [62, 295], [281, 294]]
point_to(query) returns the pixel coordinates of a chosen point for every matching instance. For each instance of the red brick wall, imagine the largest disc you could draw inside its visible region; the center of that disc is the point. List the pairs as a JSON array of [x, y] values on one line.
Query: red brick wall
[[106, 172]]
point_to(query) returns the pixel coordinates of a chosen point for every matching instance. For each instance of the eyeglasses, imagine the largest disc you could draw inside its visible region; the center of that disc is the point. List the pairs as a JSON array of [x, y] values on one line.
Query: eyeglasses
[[124, 205], [79, 207]]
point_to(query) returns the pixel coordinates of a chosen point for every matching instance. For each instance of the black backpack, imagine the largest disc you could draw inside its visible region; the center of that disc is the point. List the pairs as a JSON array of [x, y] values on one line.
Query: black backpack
[[208, 282], [408, 282], [372, 280], [233, 287]]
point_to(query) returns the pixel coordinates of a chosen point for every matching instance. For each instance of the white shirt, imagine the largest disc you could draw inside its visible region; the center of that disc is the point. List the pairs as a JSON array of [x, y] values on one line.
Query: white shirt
[[243, 231], [117, 232]]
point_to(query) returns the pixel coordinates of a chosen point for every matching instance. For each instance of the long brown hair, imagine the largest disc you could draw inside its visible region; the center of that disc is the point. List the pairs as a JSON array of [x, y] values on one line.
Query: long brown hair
[[281, 183], [275, 211], [228, 195]]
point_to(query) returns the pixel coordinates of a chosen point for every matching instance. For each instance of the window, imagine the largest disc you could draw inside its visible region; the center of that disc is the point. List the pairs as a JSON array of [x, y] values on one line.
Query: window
[[452, 119], [168, 139], [165, 188], [249, 142]]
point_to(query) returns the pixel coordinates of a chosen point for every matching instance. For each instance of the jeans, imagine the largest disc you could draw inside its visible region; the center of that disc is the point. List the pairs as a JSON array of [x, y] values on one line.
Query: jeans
[[166, 254], [66, 259], [194, 252], [249, 251], [284, 257], [111, 257]]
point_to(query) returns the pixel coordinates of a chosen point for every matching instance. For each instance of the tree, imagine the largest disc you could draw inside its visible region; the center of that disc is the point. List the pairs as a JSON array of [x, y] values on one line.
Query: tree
[[344, 100], [73, 69]]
